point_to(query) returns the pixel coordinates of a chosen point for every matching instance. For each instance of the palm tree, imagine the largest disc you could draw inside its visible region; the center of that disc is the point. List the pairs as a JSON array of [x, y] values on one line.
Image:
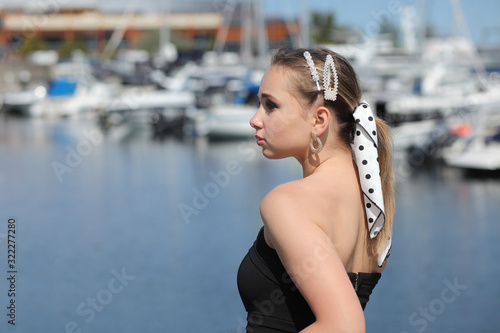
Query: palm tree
[[31, 44]]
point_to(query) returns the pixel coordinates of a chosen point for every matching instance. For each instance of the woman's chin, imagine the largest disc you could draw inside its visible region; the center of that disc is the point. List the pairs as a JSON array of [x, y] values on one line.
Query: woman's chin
[[267, 154], [272, 155]]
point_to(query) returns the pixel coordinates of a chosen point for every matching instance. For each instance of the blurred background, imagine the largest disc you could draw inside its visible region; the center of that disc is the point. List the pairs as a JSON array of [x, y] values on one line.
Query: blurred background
[[132, 175]]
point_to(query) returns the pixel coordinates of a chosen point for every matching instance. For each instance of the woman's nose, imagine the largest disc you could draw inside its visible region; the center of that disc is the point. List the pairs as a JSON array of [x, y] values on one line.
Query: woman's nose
[[256, 122]]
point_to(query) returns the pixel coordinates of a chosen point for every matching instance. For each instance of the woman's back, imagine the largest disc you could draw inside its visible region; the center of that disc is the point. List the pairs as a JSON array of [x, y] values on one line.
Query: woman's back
[[331, 198]]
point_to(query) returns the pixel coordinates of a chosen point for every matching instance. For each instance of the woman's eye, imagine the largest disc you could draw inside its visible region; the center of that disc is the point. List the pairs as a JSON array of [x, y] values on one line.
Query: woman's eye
[[270, 105]]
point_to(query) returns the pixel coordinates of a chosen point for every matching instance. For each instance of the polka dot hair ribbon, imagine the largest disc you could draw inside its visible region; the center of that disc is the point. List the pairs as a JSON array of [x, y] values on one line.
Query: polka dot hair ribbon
[[365, 151]]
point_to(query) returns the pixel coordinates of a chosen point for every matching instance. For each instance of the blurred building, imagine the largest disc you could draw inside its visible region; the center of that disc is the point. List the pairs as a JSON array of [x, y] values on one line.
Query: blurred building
[[196, 25]]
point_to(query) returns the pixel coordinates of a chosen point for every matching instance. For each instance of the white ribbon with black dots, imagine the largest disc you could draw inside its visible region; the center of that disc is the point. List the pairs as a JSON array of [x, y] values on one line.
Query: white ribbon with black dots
[[365, 151]]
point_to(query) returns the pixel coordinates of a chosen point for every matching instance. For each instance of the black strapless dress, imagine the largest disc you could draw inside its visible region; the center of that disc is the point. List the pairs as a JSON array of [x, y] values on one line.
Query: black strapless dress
[[273, 302]]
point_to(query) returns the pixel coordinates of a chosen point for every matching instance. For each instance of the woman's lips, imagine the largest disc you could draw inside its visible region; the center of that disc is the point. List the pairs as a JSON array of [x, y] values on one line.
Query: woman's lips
[[260, 140]]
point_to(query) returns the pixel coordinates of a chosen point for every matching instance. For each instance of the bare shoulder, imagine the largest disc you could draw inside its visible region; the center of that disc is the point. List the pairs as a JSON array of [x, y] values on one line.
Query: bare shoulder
[[330, 204], [286, 191], [283, 208], [311, 198], [284, 199]]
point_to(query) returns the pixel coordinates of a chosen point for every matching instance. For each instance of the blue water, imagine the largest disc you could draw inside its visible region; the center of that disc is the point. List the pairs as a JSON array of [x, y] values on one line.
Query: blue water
[[125, 233]]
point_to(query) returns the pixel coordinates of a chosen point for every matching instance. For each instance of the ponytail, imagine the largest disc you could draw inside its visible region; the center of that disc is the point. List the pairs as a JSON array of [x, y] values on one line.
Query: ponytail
[[385, 146]]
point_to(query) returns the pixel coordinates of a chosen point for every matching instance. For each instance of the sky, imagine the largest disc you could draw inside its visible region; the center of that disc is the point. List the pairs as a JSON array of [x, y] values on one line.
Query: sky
[[481, 16]]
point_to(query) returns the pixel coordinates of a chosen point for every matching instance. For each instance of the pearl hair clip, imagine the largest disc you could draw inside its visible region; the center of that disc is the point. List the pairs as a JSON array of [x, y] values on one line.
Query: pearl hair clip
[[312, 68], [330, 93]]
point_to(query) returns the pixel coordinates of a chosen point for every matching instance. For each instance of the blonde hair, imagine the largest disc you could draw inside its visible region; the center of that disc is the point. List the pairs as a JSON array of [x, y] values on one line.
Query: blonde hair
[[348, 98]]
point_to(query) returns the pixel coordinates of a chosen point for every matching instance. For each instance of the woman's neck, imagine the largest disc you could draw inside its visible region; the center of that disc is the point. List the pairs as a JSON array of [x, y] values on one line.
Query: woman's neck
[[326, 158]]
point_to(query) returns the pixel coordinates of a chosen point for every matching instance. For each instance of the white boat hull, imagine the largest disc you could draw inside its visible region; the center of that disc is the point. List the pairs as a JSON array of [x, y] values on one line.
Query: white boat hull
[[226, 122], [487, 158]]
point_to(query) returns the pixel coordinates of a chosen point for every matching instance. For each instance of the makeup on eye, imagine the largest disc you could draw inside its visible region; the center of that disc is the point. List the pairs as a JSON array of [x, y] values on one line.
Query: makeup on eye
[[266, 100], [270, 106]]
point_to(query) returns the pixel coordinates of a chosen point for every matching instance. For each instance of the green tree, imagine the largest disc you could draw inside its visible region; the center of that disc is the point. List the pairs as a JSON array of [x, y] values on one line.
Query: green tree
[[430, 31], [148, 41], [323, 27], [32, 44], [388, 28], [69, 45]]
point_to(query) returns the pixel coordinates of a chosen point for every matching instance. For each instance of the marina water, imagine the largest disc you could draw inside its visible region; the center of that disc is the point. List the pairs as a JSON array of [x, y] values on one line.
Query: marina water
[[121, 232]]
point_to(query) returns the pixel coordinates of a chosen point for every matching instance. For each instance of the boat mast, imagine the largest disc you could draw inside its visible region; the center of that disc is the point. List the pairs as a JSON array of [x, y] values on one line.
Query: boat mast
[[165, 24], [227, 18], [461, 29], [246, 45], [119, 32], [262, 41], [304, 19]]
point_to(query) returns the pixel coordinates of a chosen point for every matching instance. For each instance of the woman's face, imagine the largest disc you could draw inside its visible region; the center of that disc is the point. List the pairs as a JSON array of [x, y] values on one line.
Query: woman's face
[[283, 128]]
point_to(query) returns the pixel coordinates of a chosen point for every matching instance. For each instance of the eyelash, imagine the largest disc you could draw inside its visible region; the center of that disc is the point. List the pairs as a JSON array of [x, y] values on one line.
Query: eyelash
[[271, 105], [268, 105]]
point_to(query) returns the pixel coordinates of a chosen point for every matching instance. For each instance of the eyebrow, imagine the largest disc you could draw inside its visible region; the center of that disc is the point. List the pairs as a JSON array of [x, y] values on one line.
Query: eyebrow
[[264, 95]]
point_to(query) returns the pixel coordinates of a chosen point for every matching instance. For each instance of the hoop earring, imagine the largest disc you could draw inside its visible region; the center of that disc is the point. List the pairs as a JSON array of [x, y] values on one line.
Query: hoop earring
[[311, 144]]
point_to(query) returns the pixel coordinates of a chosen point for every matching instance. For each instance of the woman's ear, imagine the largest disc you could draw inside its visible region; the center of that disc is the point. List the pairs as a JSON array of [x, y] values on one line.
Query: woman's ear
[[322, 119]]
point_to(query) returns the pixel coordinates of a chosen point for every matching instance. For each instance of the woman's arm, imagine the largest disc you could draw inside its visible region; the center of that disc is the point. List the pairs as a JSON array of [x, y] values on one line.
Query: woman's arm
[[311, 260]]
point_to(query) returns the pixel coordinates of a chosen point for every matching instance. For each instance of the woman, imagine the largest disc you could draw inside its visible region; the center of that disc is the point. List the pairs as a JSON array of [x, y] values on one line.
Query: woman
[[326, 236]]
